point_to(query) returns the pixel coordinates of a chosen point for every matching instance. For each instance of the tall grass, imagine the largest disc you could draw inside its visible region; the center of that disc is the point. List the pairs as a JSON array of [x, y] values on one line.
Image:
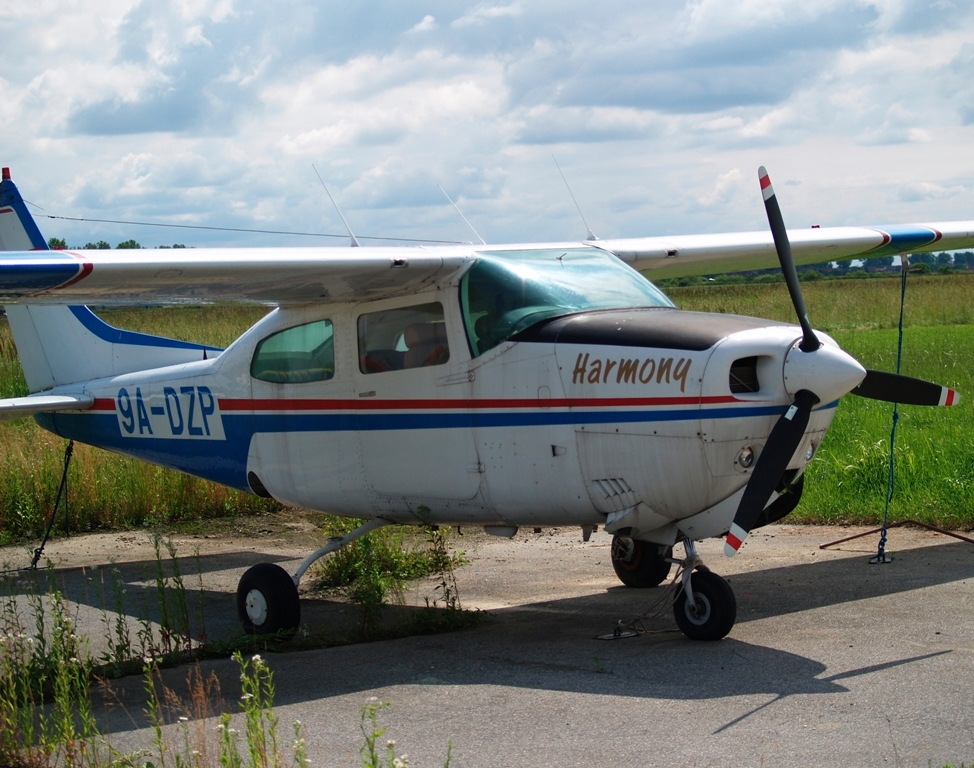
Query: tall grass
[[843, 304]]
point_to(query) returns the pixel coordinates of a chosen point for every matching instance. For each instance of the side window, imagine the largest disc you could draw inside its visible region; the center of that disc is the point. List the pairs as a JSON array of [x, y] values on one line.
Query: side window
[[407, 337], [296, 355]]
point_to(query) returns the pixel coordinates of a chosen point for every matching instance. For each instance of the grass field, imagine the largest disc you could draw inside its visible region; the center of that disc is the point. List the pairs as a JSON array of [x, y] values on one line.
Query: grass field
[[846, 482]]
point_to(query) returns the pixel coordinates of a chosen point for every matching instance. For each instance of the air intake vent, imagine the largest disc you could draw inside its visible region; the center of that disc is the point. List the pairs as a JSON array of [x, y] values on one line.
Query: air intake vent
[[612, 494], [615, 486], [744, 376]]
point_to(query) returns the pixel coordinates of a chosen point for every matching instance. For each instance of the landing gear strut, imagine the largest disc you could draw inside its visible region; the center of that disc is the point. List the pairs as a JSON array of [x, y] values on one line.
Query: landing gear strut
[[267, 596], [705, 607]]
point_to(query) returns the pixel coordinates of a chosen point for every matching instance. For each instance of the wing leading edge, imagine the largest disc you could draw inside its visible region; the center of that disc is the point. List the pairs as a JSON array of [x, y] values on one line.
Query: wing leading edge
[[33, 275], [680, 256]]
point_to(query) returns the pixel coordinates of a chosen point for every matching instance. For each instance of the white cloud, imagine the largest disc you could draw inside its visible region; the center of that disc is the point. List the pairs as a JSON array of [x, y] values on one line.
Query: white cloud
[[213, 111], [428, 23], [727, 185], [484, 13]]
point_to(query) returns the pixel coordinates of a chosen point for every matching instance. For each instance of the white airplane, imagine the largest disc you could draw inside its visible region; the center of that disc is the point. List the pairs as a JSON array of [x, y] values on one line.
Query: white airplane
[[502, 386]]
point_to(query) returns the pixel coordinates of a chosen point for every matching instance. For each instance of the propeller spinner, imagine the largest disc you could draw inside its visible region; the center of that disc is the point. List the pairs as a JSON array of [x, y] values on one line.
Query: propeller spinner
[[824, 374]]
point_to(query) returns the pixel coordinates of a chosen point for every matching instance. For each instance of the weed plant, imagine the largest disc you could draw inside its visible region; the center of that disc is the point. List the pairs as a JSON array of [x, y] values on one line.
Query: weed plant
[[46, 674], [376, 567], [46, 717]]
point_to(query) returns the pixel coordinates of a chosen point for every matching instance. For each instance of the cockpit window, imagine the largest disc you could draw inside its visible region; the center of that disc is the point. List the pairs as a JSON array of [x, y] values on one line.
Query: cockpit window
[[296, 355], [505, 292]]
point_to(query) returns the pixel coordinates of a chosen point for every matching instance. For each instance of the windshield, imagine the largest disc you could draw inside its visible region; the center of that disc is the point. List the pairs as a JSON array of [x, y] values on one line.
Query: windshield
[[505, 292]]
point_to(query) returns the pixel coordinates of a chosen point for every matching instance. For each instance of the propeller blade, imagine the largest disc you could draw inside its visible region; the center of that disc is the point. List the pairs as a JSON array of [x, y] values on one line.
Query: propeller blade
[[896, 388], [782, 443], [810, 341]]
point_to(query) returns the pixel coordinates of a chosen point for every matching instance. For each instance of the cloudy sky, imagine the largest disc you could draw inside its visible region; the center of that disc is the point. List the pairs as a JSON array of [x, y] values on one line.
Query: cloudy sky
[[212, 112]]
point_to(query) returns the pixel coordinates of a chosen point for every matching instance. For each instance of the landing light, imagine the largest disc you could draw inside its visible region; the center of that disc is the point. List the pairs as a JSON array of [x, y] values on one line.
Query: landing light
[[746, 457]]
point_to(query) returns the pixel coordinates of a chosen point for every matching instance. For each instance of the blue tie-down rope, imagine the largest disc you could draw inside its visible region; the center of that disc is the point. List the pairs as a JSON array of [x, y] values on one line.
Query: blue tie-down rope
[[881, 556]]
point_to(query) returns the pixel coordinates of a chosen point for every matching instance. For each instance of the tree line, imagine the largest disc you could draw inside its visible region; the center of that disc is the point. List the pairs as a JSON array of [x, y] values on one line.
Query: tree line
[[59, 244]]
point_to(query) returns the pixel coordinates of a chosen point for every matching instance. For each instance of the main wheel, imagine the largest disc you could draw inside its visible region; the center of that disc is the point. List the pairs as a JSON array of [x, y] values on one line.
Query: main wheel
[[714, 608], [267, 601], [640, 563]]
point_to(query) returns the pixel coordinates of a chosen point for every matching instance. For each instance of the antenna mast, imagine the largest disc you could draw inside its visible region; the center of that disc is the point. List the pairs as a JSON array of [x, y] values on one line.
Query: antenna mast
[[591, 234], [355, 242], [461, 214]]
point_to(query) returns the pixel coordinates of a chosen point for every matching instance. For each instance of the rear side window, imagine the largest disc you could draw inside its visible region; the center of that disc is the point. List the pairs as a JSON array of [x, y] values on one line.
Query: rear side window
[[398, 339], [296, 355]]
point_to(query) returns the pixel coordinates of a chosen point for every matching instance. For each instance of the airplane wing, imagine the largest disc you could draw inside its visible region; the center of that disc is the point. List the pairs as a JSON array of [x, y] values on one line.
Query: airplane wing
[[253, 275], [686, 255], [302, 275], [16, 407], [29, 273]]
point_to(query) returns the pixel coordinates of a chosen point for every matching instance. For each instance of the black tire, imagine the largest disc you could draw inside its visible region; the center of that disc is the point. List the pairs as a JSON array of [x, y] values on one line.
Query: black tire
[[638, 563], [716, 607], [267, 601]]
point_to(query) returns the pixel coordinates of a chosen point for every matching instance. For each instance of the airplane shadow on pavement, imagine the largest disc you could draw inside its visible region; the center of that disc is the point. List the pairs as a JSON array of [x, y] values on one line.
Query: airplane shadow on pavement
[[551, 645]]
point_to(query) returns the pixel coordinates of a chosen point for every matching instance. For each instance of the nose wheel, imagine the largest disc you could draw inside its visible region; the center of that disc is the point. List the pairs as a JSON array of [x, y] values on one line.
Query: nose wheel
[[267, 601], [705, 607]]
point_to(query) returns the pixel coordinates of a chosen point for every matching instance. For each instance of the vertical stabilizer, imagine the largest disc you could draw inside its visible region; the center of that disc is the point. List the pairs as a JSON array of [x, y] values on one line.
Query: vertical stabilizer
[[18, 232], [63, 345]]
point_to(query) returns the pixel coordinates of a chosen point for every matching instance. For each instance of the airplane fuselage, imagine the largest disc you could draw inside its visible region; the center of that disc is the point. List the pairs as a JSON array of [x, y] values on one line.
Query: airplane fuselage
[[642, 412]]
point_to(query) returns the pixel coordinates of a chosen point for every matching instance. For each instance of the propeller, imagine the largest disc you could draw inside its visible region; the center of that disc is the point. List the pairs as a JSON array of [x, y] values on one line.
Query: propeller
[[897, 388], [787, 434]]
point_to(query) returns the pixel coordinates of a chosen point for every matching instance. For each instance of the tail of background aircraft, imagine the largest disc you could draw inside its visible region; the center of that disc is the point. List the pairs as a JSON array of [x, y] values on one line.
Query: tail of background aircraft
[[62, 345]]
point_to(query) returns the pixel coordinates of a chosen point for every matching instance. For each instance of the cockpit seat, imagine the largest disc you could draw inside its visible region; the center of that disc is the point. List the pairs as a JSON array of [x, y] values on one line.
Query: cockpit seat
[[426, 345]]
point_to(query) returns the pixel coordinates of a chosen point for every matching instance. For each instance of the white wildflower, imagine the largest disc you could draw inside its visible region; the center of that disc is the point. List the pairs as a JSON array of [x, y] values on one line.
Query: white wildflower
[[183, 719], [247, 697]]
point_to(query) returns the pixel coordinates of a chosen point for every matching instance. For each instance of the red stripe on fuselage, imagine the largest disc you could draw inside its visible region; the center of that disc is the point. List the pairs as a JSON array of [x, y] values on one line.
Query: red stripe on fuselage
[[243, 404]]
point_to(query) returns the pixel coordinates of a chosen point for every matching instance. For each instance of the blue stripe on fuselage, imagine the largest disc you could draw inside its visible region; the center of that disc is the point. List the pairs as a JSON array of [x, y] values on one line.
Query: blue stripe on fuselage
[[226, 461]]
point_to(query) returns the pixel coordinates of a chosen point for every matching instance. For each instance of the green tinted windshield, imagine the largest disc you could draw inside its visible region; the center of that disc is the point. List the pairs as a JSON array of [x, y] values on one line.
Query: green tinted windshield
[[505, 292]]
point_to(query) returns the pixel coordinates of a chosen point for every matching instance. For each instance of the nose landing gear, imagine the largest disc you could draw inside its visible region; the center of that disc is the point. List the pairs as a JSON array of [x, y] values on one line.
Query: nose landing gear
[[704, 605]]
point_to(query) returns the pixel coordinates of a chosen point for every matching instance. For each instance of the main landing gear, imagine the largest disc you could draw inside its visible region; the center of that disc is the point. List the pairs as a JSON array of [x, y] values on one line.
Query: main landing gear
[[267, 596], [704, 607]]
